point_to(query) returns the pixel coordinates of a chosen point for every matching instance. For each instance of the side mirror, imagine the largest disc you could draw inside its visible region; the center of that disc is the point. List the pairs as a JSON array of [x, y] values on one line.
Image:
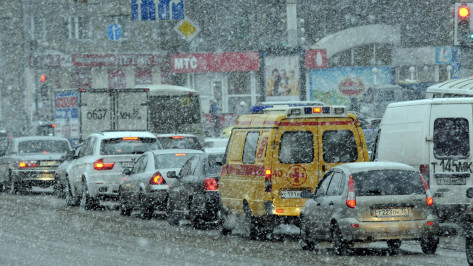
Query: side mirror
[[306, 194], [469, 193], [126, 171], [171, 174]]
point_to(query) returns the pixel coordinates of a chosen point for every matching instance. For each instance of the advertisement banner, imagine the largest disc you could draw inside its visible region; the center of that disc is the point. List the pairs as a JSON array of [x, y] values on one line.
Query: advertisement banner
[[67, 116], [282, 78], [342, 85]]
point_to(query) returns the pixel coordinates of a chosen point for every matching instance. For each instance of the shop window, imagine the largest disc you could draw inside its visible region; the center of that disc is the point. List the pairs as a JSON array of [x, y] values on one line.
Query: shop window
[[239, 83]]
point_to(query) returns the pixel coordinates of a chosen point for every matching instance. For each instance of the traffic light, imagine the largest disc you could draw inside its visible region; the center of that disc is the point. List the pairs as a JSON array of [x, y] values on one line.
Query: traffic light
[[463, 32]]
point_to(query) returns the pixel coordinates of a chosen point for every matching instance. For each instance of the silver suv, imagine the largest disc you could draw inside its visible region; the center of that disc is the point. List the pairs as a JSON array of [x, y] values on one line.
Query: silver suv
[[95, 175], [372, 201]]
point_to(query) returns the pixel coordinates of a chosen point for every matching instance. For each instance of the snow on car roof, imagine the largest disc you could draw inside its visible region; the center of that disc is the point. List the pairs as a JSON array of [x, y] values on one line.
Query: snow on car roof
[[366, 166], [28, 138], [433, 101], [169, 151], [121, 134], [173, 135]]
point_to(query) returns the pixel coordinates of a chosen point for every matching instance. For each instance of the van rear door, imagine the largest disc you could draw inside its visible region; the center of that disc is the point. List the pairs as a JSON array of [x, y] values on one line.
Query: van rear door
[[450, 152], [340, 142]]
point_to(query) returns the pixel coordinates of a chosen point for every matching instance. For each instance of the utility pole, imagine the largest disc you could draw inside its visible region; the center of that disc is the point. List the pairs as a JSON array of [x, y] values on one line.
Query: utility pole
[[291, 12]]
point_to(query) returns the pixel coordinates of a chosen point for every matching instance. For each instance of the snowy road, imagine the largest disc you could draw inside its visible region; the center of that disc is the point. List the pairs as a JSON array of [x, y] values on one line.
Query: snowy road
[[42, 230]]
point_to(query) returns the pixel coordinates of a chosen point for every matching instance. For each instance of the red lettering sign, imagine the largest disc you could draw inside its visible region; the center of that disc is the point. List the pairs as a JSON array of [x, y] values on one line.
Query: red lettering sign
[[316, 59], [66, 102], [215, 62]]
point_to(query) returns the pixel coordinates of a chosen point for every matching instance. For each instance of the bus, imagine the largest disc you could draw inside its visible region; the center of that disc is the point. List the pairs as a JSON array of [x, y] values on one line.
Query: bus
[[453, 88], [174, 109]]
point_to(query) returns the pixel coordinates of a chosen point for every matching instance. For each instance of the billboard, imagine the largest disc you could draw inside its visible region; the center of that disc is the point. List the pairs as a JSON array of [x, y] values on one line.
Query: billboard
[[282, 76], [342, 85], [67, 116]]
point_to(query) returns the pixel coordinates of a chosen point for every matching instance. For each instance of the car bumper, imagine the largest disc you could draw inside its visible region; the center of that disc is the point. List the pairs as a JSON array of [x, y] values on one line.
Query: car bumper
[[34, 177], [354, 230]]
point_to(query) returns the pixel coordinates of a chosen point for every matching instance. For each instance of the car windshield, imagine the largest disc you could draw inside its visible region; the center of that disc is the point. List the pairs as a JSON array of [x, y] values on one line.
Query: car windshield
[[171, 160], [43, 146], [387, 182], [180, 143], [117, 146]]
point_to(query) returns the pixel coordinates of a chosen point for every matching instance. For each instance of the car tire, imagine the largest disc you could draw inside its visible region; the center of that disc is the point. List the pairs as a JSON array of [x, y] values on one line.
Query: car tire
[[340, 246], [221, 221], [304, 240], [394, 245], [469, 249], [86, 201], [429, 245], [70, 199], [195, 217], [146, 210], [125, 210], [171, 217], [13, 187], [59, 188], [255, 227]]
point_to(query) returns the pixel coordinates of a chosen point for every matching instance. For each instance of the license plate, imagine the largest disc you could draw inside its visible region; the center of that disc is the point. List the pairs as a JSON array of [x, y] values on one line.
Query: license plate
[[391, 212], [127, 164], [47, 163], [451, 181], [291, 194]]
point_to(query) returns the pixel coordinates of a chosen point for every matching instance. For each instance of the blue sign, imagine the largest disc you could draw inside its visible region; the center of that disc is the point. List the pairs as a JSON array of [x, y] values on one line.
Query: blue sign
[[456, 74], [447, 54], [167, 9], [171, 9], [114, 32]]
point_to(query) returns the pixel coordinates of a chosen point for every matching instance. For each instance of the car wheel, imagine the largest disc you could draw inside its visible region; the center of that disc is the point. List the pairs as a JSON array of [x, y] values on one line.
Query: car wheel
[[255, 227], [222, 217], [195, 217], [13, 187], [340, 246], [86, 201], [469, 249], [429, 245], [394, 245], [70, 200], [171, 217], [305, 241], [146, 210], [125, 210], [58, 188]]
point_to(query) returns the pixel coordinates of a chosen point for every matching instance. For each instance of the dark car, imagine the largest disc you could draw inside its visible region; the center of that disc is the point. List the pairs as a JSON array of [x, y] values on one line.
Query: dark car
[[180, 141], [195, 194], [32, 161]]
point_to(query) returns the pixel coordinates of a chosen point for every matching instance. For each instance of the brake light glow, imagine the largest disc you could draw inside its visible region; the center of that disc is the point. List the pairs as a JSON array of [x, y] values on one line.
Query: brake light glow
[[351, 198], [26, 164], [177, 137], [180, 154], [430, 223], [210, 184], [100, 165], [279, 210], [317, 110], [157, 179], [428, 195], [268, 187], [130, 138]]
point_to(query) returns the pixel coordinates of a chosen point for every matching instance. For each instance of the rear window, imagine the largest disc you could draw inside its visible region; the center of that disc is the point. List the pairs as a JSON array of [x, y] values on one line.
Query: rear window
[[451, 138], [296, 147], [173, 160], [178, 142], [43, 146], [339, 146], [387, 182], [117, 146]]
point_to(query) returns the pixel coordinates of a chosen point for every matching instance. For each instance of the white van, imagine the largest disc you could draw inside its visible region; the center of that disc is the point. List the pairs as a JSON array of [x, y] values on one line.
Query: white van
[[434, 136]]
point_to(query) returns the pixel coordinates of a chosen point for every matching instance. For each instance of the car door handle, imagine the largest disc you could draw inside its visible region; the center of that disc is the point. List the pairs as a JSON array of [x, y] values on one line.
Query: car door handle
[[331, 203]]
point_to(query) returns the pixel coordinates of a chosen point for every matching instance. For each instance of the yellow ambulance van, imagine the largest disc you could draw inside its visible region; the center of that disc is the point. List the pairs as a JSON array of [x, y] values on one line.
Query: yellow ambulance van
[[272, 157]]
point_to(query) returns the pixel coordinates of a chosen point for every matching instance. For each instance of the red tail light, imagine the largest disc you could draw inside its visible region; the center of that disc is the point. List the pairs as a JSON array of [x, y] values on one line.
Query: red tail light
[[351, 198], [26, 164], [100, 165], [177, 137], [428, 195], [424, 171], [268, 187], [130, 138], [210, 184], [157, 179]]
